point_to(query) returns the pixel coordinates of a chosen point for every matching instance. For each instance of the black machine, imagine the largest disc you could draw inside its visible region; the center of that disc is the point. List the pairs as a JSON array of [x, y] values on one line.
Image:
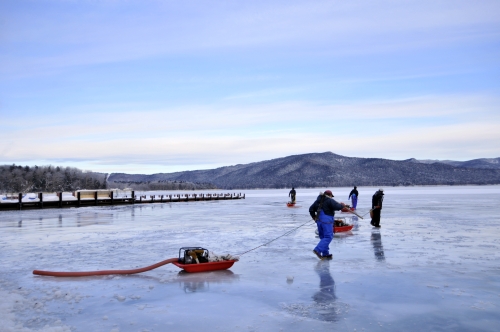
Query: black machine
[[193, 255]]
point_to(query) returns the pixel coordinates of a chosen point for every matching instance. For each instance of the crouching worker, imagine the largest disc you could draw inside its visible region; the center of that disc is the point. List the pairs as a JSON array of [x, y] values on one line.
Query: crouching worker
[[323, 212]]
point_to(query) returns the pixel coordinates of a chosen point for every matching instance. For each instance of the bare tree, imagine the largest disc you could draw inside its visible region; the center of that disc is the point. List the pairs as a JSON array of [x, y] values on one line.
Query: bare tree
[[15, 179]]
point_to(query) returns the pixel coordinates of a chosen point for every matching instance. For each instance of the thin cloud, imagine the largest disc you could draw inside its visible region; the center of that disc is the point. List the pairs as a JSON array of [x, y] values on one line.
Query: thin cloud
[[137, 140], [476, 139], [220, 118], [102, 33]]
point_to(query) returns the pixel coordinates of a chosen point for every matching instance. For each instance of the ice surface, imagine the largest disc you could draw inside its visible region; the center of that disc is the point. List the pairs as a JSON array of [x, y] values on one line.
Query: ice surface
[[434, 265]]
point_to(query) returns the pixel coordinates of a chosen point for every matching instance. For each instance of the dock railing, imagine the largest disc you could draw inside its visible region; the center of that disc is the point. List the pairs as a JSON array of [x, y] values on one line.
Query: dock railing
[[101, 198]]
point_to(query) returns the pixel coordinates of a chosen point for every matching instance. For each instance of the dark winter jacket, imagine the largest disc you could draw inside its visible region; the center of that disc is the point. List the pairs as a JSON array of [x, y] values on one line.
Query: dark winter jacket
[[292, 193], [329, 206], [377, 199], [354, 191]]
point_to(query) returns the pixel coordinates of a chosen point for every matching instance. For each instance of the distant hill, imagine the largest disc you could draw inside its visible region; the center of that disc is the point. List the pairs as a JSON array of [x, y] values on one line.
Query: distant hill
[[146, 184], [326, 170], [488, 163]]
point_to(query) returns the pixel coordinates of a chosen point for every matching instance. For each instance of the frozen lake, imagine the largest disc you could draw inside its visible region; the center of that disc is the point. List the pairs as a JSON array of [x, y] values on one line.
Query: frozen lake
[[433, 266]]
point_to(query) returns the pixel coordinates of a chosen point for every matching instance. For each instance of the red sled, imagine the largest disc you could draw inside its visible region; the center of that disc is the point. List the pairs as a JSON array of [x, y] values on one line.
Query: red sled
[[290, 204], [205, 267], [346, 209], [340, 229]]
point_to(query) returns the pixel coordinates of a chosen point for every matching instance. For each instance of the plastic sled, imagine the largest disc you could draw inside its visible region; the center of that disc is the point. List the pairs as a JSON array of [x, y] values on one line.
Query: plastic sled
[[205, 267], [341, 229]]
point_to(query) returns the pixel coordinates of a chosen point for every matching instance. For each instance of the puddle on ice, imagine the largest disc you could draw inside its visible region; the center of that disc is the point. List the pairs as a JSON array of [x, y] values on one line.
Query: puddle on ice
[[434, 265]]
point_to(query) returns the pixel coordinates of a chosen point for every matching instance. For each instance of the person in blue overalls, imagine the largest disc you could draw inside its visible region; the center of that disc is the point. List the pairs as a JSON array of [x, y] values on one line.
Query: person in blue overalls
[[354, 196], [323, 212]]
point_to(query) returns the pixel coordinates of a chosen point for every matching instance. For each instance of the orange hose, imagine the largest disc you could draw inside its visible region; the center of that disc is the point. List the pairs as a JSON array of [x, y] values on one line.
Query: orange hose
[[105, 272]]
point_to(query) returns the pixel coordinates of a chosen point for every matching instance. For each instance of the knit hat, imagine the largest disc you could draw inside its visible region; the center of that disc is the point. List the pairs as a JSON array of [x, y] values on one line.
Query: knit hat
[[329, 193]]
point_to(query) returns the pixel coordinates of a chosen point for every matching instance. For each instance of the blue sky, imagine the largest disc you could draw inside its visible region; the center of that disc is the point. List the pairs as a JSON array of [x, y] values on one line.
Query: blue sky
[[161, 86]]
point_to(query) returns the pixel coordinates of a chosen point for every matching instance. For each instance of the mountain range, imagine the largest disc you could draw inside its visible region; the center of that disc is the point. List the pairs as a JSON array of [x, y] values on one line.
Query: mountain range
[[492, 163], [331, 170]]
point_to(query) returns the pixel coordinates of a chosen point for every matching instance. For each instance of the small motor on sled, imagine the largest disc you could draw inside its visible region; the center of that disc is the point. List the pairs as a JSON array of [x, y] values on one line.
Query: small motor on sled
[[193, 255], [340, 223]]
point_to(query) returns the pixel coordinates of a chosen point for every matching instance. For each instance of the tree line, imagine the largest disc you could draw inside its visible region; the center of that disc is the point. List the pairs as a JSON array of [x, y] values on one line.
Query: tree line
[[24, 179], [161, 185]]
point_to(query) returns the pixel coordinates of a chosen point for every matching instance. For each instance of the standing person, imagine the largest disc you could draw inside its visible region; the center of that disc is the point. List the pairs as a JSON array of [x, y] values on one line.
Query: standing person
[[354, 194], [377, 200], [323, 212], [292, 194]]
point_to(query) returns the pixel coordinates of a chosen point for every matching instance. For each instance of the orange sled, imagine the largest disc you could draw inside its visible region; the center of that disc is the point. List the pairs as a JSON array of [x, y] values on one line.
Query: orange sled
[[340, 229], [205, 267]]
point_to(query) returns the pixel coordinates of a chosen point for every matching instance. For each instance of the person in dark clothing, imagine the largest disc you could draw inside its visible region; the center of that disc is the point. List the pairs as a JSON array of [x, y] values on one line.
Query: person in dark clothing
[[354, 194], [292, 194], [323, 212], [377, 200], [354, 191]]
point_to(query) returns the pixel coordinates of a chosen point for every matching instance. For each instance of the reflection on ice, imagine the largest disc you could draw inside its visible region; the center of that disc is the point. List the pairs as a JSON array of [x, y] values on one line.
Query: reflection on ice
[[325, 306], [87, 219], [199, 282], [325, 297], [355, 222], [72, 220], [378, 249]]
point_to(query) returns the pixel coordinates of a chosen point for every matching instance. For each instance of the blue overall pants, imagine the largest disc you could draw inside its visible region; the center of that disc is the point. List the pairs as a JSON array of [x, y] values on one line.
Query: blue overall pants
[[325, 231], [354, 200]]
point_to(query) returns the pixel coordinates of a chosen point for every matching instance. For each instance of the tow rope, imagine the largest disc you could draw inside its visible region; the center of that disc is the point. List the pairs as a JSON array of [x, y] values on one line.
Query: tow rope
[[287, 233], [291, 231], [365, 214], [349, 210]]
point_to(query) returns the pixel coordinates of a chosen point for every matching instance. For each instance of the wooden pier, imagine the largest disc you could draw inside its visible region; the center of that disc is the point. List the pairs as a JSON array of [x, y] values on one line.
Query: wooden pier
[[98, 200]]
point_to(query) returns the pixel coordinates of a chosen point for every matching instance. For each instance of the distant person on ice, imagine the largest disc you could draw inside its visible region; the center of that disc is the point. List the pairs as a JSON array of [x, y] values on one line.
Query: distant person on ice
[[323, 212], [292, 194], [354, 194], [377, 200]]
